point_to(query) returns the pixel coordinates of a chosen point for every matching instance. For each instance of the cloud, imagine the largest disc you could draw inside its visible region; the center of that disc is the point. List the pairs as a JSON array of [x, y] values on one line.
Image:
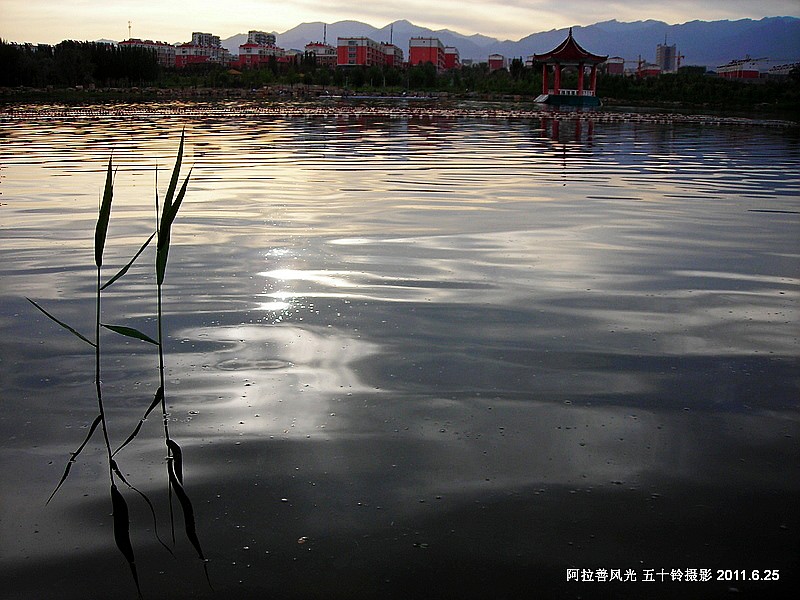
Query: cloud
[[48, 21]]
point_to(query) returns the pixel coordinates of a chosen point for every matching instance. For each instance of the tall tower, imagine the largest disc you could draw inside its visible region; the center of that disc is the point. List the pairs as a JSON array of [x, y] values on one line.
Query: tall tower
[[667, 57]]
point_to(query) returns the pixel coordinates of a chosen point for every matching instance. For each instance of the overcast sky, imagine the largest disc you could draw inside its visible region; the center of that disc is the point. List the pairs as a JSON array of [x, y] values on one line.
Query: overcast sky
[[51, 21]]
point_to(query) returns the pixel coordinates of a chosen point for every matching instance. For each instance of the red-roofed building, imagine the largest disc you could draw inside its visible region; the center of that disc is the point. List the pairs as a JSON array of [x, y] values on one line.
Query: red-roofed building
[[496, 62], [204, 48], [325, 55], [744, 68], [252, 56], [359, 51], [648, 70], [189, 54], [392, 55], [426, 50], [615, 65], [259, 50], [362, 51], [452, 59]]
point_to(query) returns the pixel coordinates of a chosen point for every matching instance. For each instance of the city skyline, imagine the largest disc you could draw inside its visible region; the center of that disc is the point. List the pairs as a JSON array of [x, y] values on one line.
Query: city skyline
[[49, 22]]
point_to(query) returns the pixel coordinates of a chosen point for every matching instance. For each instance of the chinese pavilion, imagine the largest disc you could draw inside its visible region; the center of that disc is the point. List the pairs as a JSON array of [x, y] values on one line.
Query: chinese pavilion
[[569, 54]]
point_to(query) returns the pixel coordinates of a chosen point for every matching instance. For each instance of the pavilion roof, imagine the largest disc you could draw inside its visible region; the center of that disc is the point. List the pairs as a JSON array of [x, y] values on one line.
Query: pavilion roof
[[569, 51]]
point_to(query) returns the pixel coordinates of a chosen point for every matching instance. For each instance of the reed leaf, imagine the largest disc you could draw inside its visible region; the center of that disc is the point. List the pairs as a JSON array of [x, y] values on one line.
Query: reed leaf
[[64, 325], [156, 401], [169, 212], [122, 533], [130, 332], [173, 210], [161, 262], [119, 474], [124, 269], [173, 182], [177, 458], [165, 231], [75, 454], [188, 510], [102, 219]]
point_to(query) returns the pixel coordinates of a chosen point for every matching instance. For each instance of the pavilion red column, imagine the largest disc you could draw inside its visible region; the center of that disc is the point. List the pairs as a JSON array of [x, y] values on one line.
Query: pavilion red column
[[557, 78], [580, 78], [594, 80], [544, 78]]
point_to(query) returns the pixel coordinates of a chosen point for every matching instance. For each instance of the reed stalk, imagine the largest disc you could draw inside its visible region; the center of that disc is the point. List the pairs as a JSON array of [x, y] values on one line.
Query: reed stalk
[[119, 506], [118, 503], [165, 217], [121, 518]]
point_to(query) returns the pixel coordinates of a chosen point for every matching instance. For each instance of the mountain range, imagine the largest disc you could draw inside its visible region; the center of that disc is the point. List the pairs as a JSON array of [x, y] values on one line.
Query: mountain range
[[706, 43]]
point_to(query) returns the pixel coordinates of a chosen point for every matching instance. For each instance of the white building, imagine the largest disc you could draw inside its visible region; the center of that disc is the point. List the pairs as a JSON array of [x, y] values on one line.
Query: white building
[[205, 40], [165, 53], [261, 38]]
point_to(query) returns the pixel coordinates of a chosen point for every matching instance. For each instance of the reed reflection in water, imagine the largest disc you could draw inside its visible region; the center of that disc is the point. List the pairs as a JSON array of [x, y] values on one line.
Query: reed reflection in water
[[414, 354]]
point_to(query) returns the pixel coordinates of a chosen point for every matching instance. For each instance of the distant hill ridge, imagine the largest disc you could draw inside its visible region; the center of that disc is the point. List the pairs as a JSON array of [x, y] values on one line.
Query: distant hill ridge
[[709, 43]]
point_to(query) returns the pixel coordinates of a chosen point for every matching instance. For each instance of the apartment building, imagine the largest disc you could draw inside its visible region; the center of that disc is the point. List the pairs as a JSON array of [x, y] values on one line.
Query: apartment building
[[361, 51], [426, 50], [261, 48], [615, 65], [452, 59], [393, 56], [324, 54], [497, 62], [262, 38], [204, 48], [667, 58], [258, 50], [205, 39], [252, 56], [165, 53]]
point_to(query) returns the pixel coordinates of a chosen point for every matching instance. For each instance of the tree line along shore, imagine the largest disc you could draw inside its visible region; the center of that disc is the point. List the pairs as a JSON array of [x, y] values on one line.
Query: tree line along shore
[[80, 71]]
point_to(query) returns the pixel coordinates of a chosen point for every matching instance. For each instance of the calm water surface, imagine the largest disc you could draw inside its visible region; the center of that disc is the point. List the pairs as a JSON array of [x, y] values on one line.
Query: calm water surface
[[408, 357]]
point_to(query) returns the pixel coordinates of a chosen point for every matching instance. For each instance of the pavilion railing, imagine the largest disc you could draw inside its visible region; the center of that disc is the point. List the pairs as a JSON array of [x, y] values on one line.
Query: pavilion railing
[[566, 92]]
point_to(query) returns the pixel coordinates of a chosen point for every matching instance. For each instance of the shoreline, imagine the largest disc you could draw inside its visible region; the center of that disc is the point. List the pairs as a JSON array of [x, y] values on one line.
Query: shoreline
[[286, 101]]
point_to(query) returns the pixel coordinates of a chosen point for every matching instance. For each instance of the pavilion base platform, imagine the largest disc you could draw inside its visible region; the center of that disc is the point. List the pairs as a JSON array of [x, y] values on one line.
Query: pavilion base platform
[[565, 100]]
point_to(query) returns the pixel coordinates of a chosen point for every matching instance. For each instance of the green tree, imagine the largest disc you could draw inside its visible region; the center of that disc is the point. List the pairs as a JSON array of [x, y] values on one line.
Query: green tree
[[517, 69]]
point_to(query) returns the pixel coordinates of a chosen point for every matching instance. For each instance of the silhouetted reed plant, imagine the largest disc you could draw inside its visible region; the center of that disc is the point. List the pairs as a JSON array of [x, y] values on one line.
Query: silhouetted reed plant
[[165, 218]]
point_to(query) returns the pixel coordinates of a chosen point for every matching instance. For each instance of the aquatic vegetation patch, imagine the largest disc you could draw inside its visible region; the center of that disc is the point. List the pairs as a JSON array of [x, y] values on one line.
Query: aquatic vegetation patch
[[165, 219]]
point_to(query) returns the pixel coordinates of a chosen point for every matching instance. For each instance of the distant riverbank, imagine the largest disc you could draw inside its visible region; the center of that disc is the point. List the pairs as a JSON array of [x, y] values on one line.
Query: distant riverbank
[[78, 96], [107, 105]]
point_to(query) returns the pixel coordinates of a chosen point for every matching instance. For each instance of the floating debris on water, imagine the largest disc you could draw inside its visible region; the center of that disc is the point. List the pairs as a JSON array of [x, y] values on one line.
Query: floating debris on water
[[401, 111]]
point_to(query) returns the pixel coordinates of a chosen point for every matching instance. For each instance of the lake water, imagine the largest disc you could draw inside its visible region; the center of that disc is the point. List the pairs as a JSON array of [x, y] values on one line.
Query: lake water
[[409, 354]]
